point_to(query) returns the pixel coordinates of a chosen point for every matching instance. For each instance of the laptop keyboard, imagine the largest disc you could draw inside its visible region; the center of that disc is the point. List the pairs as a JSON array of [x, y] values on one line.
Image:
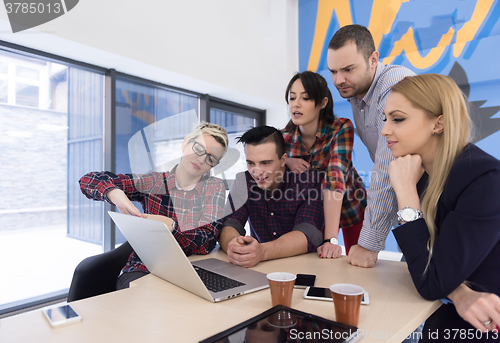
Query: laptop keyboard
[[216, 282]]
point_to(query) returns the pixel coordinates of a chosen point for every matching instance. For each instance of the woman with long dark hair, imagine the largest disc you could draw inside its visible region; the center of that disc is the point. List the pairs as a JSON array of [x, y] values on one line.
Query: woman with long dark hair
[[316, 139]]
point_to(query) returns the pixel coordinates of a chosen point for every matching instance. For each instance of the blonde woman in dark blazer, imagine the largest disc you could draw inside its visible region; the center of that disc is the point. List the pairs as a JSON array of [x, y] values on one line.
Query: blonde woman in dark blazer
[[448, 198]]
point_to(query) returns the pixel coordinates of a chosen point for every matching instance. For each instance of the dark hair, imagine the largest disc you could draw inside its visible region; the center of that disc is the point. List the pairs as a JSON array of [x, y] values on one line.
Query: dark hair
[[317, 89], [354, 33], [264, 134]]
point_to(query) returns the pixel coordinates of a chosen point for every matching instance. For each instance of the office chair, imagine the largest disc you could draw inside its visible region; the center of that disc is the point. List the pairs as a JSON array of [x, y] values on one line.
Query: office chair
[[97, 275]]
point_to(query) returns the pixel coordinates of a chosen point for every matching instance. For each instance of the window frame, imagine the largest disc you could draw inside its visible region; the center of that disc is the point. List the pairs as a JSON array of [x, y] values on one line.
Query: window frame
[[15, 49]]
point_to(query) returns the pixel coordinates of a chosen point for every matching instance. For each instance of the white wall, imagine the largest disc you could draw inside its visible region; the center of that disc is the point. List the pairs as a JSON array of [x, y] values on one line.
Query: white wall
[[240, 50]]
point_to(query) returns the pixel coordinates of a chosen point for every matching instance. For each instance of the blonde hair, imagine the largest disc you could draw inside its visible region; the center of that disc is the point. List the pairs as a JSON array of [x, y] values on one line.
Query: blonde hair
[[438, 95], [216, 131]]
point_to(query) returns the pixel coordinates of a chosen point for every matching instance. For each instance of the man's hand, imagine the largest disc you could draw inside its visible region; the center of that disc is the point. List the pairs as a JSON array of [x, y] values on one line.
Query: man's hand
[[124, 205], [329, 250], [244, 251], [361, 257], [297, 165], [166, 220], [477, 308]]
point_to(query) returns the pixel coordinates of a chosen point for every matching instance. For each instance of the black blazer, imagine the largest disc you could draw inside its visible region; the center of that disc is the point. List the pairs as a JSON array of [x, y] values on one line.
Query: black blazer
[[467, 245]]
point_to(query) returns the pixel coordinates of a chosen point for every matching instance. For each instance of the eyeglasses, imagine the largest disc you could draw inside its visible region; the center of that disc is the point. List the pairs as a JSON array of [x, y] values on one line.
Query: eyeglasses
[[199, 150]]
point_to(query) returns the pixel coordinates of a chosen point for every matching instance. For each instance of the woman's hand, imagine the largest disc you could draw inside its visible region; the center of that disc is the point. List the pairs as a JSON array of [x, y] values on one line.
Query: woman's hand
[[122, 202], [166, 220], [329, 250], [297, 165], [481, 310], [405, 172]]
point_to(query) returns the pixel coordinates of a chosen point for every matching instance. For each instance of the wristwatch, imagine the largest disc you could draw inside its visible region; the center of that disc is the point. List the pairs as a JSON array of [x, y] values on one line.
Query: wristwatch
[[332, 240], [409, 214]]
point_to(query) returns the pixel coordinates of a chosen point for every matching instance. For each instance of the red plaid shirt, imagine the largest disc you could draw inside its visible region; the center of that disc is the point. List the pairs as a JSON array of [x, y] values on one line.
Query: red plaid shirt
[[197, 213], [331, 153]]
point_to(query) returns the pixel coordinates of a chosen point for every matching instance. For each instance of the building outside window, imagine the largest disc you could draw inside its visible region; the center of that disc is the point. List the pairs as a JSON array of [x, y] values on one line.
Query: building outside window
[[48, 111]]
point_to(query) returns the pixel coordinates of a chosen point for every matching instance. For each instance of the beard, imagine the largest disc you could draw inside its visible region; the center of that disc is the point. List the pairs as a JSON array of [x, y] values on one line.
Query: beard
[[360, 88]]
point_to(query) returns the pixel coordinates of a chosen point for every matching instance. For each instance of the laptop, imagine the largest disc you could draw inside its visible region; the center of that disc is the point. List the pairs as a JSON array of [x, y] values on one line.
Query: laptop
[[211, 279]]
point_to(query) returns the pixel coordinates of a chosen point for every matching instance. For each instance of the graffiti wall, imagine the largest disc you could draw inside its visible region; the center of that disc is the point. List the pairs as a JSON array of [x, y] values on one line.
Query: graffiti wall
[[459, 38]]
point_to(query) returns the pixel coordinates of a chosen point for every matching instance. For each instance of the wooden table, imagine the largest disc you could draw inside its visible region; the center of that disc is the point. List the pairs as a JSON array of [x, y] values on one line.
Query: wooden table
[[153, 310]]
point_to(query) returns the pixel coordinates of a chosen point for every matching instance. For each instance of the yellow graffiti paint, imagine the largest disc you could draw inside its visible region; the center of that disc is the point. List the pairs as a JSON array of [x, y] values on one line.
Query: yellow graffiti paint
[[129, 101], [407, 43], [469, 30], [382, 17], [325, 11]]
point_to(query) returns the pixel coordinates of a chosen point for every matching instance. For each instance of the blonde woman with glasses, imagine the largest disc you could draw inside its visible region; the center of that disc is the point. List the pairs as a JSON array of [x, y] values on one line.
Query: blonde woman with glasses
[[186, 199]]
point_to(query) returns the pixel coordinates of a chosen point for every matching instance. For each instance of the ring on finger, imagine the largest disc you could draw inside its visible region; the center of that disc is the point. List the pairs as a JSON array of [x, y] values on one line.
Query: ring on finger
[[487, 322]]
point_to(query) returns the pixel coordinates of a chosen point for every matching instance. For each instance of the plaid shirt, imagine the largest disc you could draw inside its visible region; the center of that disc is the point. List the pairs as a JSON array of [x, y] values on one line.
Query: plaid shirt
[[331, 153], [197, 213], [296, 205]]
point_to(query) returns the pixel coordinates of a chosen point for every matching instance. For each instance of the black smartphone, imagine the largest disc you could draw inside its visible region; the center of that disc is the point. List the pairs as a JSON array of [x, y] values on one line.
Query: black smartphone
[[305, 280], [320, 293]]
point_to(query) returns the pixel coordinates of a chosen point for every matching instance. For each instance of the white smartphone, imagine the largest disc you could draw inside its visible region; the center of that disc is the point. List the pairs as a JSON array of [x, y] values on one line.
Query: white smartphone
[[320, 293], [61, 315]]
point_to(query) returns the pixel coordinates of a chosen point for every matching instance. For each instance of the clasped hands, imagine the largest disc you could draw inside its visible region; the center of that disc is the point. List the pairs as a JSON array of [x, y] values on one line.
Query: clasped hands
[[245, 251]]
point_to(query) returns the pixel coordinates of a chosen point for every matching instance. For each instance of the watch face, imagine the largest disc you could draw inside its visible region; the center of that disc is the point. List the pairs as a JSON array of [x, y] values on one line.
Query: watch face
[[408, 214], [334, 240]]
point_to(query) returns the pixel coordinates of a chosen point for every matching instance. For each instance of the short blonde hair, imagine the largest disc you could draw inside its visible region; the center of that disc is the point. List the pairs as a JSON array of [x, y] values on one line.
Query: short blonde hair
[[216, 131]]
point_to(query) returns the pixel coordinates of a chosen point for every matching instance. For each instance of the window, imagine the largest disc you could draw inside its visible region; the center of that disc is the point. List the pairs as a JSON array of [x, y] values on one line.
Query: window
[[51, 131], [158, 118], [4, 91], [237, 120], [32, 82]]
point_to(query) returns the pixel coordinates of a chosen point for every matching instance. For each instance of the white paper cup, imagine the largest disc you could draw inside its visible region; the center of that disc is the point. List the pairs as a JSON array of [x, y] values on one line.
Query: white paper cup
[[281, 276]]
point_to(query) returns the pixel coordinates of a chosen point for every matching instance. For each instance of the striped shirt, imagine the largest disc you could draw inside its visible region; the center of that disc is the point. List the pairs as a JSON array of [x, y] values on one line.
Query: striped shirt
[[331, 153], [197, 213], [368, 113]]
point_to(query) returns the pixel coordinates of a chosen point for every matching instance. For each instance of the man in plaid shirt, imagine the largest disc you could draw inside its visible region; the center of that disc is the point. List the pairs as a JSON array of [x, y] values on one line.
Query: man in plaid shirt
[[284, 209]]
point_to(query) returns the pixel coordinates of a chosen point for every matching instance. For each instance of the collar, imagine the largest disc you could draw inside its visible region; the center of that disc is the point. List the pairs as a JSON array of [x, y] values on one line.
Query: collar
[[181, 189], [319, 134], [172, 182], [296, 135]]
